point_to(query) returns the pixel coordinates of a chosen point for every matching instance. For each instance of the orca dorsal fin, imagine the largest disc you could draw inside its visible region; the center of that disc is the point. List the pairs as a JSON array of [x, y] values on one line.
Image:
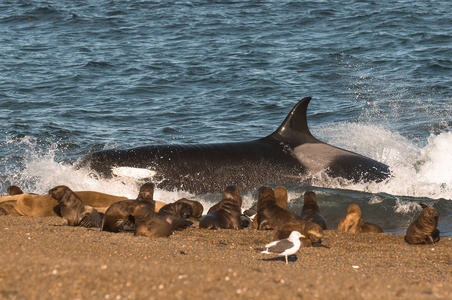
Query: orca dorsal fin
[[294, 130]]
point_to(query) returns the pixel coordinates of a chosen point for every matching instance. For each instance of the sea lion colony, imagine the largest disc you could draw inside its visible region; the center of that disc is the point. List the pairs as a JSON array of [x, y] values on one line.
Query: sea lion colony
[[147, 217]]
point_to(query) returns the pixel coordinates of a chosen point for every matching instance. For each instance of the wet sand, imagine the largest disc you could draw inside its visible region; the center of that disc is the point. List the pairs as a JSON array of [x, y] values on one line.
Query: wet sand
[[41, 258]]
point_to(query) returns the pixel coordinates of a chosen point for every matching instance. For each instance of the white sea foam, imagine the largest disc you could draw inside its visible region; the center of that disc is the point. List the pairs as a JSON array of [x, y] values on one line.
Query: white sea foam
[[406, 207], [417, 171]]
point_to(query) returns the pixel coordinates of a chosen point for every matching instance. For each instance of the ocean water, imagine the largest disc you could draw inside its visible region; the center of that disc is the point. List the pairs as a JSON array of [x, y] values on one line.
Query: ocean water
[[82, 76]]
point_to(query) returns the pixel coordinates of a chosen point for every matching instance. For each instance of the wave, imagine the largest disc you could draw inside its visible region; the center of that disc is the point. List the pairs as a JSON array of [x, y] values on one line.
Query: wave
[[417, 171], [419, 174]]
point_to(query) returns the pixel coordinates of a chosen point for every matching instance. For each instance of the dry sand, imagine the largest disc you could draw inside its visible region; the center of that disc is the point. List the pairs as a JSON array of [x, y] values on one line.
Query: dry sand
[[41, 258]]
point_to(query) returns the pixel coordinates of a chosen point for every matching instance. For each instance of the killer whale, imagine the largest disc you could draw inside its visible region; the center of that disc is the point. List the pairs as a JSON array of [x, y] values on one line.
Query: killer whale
[[290, 155]]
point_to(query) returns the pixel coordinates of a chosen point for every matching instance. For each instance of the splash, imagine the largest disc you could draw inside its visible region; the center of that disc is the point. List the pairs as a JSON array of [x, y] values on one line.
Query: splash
[[417, 171]]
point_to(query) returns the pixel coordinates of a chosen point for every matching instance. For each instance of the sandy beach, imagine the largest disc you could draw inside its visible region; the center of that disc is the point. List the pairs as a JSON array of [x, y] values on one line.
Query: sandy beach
[[44, 259]]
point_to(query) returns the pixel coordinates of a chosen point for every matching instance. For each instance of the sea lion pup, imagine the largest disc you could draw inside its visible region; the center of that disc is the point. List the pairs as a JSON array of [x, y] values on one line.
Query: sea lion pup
[[227, 216], [281, 201], [354, 223], [269, 214], [311, 211], [181, 209], [148, 222], [9, 208], [369, 227], [146, 193], [176, 214], [281, 196], [423, 230], [73, 210], [176, 222], [198, 209], [312, 232], [245, 220], [14, 190], [118, 217]]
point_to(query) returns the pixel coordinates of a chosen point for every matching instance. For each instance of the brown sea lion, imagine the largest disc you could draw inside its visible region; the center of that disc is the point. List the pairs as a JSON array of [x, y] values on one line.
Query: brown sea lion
[[313, 232], [198, 209], [311, 211], [9, 208], [73, 210], [245, 220], [14, 190], [354, 223], [181, 209], [99, 200], [44, 206], [149, 223], [118, 217], [214, 207], [102, 201], [33, 205], [176, 214], [281, 201], [227, 216], [423, 230], [269, 214], [281, 196], [176, 222], [369, 227], [146, 193]]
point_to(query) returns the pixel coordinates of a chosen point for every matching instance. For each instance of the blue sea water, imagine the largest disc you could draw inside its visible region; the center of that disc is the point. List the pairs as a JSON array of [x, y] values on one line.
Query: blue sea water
[[82, 76]]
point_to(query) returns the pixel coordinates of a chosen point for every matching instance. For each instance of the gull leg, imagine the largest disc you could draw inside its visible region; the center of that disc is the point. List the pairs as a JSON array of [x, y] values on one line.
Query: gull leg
[[286, 260]]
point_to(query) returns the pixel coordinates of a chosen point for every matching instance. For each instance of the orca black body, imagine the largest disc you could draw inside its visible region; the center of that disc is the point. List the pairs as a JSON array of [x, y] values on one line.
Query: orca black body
[[290, 155]]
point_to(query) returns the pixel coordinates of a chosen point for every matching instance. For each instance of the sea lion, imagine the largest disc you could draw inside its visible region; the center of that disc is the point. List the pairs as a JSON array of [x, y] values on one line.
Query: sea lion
[[101, 201], [245, 221], [281, 196], [423, 230], [9, 208], [311, 211], [227, 216], [176, 222], [281, 201], [181, 209], [269, 214], [354, 223], [148, 223], [312, 232], [176, 214], [73, 210], [146, 193], [33, 205], [196, 205], [369, 227], [118, 217], [214, 207], [14, 190]]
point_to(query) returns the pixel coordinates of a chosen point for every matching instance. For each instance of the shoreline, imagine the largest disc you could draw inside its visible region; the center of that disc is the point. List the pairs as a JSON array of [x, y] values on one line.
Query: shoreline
[[44, 259]]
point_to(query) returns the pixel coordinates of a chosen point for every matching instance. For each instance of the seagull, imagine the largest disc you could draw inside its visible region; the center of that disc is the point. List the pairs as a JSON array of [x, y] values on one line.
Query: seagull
[[285, 247]]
